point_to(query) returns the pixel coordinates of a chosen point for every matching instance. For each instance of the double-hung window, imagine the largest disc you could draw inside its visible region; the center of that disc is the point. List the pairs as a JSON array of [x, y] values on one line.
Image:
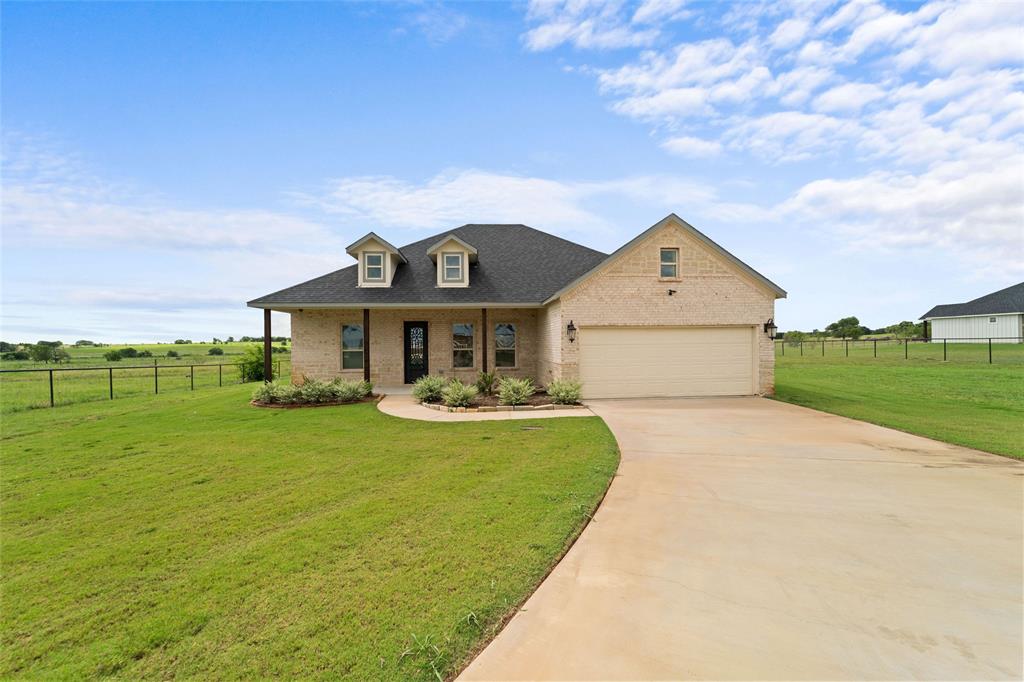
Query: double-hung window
[[373, 267], [462, 345], [504, 345], [670, 263], [352, 346], [452, 267]]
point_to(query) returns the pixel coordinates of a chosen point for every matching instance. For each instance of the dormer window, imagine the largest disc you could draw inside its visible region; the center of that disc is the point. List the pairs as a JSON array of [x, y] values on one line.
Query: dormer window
[[453, 271], [373, 266]]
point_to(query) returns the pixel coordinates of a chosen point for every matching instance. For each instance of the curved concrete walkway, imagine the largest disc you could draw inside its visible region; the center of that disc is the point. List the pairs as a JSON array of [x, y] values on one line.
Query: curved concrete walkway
[[750, 539], [406, 407]]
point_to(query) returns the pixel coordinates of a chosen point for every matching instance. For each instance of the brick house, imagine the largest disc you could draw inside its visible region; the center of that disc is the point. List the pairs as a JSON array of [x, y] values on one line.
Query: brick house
[[671, 313]]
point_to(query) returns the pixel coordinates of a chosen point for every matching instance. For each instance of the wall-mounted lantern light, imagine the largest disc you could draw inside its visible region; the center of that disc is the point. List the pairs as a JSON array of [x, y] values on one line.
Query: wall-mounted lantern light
[[671, 291], [770, 329], [570, 331]]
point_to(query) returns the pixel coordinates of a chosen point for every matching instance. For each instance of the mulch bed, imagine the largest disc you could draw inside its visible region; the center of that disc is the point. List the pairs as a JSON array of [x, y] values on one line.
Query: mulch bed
[[372, 398]]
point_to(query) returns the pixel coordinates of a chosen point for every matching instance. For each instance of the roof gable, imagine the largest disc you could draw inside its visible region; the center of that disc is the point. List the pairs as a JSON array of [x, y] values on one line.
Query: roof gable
[[1008, 300], [673, 219]]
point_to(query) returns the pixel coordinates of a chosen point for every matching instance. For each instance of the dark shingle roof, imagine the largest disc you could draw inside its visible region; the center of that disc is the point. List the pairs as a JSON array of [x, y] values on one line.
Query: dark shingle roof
[[1008, 300], [515, 264]]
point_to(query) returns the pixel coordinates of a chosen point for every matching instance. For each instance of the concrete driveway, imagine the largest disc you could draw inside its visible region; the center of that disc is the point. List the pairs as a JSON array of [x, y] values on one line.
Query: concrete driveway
[[749, 539]]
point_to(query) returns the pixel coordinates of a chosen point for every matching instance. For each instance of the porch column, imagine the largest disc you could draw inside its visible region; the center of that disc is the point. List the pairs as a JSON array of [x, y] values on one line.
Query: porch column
[[267, 369], [366, 344], [483, 312]]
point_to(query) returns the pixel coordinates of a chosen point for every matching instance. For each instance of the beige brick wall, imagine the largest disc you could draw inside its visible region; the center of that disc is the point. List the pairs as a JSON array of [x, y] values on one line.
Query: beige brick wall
[[709, 291], [549, 348], [316, 342]]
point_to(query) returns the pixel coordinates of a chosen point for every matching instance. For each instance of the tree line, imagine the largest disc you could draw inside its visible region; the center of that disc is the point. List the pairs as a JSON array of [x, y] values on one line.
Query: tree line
[[851, 328]]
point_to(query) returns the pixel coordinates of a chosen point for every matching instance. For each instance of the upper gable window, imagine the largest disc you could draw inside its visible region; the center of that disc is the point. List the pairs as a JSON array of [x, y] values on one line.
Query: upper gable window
[[669, 263], [452, 268], [373, 266]]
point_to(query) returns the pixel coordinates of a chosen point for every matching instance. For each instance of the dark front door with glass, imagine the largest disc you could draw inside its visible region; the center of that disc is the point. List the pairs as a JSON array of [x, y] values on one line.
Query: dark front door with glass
[[415, 351]]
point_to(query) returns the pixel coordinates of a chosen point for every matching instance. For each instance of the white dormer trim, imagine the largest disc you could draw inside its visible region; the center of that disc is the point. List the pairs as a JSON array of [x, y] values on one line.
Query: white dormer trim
[[372, 252], [449, 254]]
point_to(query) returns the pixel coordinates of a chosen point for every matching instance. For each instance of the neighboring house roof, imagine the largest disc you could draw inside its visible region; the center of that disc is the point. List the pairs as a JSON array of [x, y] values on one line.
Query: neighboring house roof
[[515, 264], [700, 236], [1008, 300]]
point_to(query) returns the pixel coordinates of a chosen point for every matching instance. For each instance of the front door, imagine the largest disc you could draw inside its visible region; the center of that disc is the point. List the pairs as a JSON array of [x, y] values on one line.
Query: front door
[[415, 351]]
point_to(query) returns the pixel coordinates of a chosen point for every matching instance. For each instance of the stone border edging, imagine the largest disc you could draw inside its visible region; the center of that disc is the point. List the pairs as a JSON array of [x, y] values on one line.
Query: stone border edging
[[502, 408], [374, 398]]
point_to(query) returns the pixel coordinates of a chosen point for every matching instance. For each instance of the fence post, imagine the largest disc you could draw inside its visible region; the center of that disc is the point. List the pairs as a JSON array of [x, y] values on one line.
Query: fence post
[[801, 348], [111, 370], [220, 375], [943, 350], [192, 377], [906, 348], [783, 348], [51, 388], [278, 371], [847, 342], [156, 381], [990, 351]]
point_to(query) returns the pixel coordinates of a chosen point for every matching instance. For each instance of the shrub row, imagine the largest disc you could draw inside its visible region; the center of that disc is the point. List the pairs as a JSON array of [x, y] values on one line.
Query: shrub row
[[312, 392], [511, 391]]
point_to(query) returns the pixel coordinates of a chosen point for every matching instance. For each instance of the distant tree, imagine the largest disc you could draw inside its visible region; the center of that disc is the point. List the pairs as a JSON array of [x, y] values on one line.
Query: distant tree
[[906, 330], [284, 342], [60, 355], [84, 342], [795, 337], [144, 354], [247, 339], [112, 356], [16, 355], [231, 339], [44, 351], [216, 340], [129, 352], [215, 351], [846, 328], [250, 365], [7, 347], [172, 353]]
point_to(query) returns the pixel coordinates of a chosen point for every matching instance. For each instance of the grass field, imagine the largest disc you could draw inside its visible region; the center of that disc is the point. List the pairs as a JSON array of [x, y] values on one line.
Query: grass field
[[965, 400], [26, 390], [193, 535]]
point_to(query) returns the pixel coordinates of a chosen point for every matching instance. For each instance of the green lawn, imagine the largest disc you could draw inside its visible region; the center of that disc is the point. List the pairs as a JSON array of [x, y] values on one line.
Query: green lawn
[[193, 535], [965, 400]]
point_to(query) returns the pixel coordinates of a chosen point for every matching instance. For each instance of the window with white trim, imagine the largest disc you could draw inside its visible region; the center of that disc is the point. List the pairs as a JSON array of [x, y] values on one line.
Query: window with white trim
[[451, 267], [462, 345], [991, 319], [351, 346], [669, 263], [504, 345], [373, 266]]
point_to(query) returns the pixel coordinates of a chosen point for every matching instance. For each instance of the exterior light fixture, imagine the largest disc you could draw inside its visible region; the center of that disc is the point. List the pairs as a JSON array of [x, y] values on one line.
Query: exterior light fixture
[[671, 291], [570, 331], [770, 329]]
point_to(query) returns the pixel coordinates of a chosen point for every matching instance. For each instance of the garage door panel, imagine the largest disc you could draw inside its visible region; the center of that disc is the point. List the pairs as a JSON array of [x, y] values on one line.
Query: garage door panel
[[666, 362]]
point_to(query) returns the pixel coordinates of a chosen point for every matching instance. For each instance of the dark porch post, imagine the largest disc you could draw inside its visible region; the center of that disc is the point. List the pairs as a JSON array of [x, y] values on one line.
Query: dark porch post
[[483, 311], [267, 369], [366, 344]]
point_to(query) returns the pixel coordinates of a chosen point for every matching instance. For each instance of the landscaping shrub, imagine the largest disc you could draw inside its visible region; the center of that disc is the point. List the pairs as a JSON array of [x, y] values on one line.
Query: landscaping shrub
[[172, 353], [215, 351], [485, 382], [564, 392], [428, 389], [458, 394], [312, 392], [513, 391], [348, 391], [274, 393]]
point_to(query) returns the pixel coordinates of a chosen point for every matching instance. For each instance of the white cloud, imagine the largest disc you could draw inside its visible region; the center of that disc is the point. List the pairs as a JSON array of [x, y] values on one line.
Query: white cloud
[[692, 147], [848, 97], [790, 135], [652, 11], [789, 33], [584, 24]]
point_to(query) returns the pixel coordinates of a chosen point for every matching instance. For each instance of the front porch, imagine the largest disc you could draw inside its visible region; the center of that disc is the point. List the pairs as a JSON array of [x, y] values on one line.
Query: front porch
[[393, 346]]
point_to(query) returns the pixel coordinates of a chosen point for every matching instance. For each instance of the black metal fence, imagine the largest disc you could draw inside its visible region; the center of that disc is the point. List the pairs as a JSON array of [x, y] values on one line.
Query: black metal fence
[[974, 349], [20, 389]]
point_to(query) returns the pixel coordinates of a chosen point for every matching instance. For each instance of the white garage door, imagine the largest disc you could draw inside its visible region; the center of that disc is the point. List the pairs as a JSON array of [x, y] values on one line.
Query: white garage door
[[619, 362]]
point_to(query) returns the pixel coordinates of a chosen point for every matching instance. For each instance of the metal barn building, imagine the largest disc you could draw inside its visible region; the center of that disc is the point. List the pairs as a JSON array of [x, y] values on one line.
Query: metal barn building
[[999, 315]]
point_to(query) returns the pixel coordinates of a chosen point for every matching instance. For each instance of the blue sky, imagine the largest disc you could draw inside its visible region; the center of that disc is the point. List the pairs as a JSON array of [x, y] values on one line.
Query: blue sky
[[164, 163]]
